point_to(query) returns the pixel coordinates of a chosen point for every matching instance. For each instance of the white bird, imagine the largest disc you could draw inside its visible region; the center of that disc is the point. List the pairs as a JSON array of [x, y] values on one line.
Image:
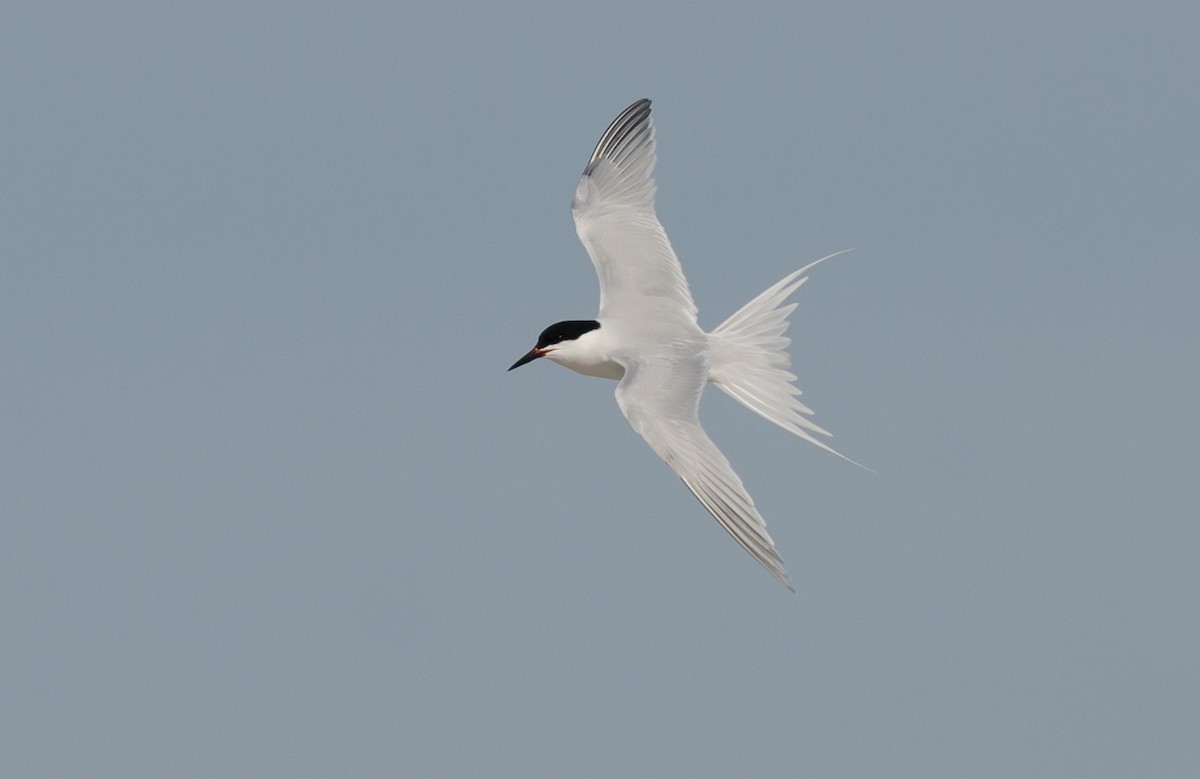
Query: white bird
[[647, 338]]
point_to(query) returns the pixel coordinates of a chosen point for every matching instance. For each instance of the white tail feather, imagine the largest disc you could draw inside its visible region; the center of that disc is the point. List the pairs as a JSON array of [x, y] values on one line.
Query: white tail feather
[[749, 359]]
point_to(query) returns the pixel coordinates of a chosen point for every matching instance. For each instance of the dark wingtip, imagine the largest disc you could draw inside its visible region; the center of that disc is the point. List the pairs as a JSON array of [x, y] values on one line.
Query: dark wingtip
[[632, 120]]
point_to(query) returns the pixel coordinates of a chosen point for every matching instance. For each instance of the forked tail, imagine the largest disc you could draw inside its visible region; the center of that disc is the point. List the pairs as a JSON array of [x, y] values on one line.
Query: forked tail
[[749, 359]]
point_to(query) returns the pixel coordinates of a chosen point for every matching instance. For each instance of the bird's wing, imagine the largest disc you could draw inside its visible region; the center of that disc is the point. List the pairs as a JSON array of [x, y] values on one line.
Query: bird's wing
[[661, 399], [614, 215]]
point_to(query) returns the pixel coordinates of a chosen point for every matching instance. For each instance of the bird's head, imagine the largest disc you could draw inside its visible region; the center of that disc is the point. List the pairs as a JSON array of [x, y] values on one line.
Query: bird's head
[[561, 341]]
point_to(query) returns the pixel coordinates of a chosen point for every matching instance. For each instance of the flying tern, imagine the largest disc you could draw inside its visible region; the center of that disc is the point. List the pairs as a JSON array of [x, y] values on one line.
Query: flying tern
[[646, 336]]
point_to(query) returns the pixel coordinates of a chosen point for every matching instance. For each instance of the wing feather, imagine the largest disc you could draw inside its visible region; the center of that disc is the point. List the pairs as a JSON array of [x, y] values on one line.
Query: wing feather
[[650, 396], [615, 219]]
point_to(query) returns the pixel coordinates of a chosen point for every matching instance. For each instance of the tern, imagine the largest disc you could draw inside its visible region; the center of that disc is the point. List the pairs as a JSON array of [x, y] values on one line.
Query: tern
[[646, 336]]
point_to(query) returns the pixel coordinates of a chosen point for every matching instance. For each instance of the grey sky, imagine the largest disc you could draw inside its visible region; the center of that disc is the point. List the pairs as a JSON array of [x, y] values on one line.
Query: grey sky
[[272, 506]]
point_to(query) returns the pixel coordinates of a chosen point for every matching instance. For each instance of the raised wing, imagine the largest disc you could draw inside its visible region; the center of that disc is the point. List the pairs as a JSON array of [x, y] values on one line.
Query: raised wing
[[614, 215], [661, 400]]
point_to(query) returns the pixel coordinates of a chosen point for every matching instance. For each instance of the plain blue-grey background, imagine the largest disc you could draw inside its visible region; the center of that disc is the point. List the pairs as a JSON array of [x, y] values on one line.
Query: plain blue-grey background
[[271, 505]]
